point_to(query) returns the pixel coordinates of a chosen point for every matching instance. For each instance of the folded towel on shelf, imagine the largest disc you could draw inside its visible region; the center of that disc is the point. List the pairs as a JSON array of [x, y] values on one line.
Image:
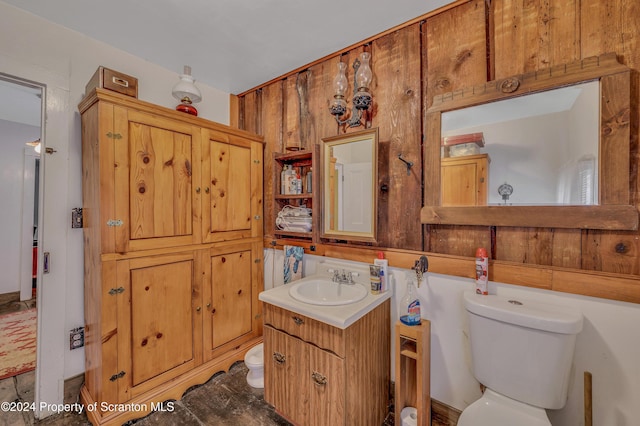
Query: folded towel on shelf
[[292, 263]]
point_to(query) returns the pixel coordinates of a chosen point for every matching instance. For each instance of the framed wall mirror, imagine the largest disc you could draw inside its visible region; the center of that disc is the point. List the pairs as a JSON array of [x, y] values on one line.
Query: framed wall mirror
[[544, 149], [349, 174]]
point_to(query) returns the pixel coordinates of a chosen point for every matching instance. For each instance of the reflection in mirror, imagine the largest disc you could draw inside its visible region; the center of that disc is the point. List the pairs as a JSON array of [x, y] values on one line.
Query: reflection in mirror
[[537, 149], [349, 197]]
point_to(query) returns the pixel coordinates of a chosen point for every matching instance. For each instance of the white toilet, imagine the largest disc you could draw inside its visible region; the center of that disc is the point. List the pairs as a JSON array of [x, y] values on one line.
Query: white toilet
[[254, 360], [522, 352]]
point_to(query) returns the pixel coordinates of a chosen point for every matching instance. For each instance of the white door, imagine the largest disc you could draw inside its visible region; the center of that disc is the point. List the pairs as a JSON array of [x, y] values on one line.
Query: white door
[[53, 223], [356, 197]]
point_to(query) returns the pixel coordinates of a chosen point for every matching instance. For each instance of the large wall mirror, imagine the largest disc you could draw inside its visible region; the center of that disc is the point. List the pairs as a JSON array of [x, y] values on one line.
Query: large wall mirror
[[545, 149], [349, 174]]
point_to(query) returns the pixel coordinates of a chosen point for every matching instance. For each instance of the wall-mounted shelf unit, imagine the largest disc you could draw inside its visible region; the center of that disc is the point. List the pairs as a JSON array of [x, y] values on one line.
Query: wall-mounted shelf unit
[[302, 163]]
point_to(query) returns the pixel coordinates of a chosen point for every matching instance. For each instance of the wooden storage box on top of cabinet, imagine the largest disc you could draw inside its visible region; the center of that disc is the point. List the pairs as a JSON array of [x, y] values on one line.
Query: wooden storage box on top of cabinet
[[173, 250]]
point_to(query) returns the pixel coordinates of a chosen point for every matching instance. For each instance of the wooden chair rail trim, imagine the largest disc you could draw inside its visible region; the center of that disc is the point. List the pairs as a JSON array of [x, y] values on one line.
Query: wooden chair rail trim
[[607, 217], [604, 285]]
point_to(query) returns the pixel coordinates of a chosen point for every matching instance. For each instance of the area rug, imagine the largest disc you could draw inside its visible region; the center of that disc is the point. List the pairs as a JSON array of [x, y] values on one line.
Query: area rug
[[17, 343]]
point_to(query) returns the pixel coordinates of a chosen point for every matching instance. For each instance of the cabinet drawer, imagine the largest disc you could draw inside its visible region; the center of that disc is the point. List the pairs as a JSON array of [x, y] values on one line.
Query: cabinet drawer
[[316, 332]]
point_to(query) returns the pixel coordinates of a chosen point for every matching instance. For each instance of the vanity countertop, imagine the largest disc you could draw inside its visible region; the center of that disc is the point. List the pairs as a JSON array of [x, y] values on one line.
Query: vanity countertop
[[341, 316]]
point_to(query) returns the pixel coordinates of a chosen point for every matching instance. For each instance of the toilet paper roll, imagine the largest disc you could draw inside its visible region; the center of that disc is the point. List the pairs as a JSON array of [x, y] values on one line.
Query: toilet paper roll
[[409, 416]]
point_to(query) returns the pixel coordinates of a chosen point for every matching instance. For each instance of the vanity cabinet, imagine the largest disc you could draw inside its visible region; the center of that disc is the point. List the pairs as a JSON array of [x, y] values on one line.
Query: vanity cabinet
[[318, 374], [465, 180], [172, 209]]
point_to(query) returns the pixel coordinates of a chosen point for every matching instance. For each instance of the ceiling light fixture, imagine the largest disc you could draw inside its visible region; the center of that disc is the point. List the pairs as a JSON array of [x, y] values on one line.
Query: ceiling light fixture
[[362, 97], [187, 93]]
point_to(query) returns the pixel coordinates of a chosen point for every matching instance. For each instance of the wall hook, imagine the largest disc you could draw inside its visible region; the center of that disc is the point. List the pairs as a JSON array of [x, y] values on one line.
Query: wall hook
[[408, 163]]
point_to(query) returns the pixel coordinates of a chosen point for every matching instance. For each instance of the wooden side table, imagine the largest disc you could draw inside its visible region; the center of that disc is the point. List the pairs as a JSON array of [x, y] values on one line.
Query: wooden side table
[[413, 372]]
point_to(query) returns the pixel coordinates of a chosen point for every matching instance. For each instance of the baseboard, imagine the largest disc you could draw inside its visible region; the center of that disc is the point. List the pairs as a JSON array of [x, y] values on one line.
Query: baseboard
[[9, 297], [72, 387], [443, 414]]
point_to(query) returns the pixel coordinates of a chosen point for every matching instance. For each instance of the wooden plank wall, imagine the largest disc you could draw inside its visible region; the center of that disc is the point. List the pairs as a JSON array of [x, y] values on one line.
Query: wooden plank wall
[[471, 43]]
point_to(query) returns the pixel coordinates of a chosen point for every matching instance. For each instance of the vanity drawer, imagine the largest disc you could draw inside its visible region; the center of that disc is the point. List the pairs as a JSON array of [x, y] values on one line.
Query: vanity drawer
[[322, 335]]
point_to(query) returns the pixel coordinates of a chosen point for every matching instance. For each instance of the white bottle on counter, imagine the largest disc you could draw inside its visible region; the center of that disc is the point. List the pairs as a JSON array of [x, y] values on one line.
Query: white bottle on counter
[[384, 271]]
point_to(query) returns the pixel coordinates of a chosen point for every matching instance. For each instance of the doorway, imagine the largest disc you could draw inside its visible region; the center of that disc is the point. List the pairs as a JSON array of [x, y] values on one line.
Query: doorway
[[21, 131]]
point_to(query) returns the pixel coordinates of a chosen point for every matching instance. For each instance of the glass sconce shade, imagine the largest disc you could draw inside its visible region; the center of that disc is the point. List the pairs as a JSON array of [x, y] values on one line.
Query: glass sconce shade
[[340, 84], [362, 98], [364, 74], [186, 92]]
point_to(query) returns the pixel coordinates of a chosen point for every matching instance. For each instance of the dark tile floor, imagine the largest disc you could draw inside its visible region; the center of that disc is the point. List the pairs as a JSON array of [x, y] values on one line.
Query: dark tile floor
[[225, 400]]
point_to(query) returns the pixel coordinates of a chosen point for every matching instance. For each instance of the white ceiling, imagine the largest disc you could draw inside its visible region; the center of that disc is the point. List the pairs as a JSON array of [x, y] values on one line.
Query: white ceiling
[[232, 45]]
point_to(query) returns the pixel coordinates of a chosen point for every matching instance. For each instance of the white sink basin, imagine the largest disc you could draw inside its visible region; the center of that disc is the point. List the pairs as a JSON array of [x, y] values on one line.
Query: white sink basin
[[323, 291]]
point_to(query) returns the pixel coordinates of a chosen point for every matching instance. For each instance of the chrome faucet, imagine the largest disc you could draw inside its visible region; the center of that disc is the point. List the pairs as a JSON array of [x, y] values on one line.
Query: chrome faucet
[[342, 277]]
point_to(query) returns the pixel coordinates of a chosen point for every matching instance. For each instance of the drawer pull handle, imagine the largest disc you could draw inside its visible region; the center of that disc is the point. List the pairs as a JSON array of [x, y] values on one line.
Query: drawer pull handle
[[298, 320], [279, 358], [319, 379], [120, 82]]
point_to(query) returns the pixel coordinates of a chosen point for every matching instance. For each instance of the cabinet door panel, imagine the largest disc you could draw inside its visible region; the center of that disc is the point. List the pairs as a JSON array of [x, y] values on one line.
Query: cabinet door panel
[[286, 362], [231, 294], [155, 320], [233, 279], [154, 160], [232, 199], [464, 180], [326, 378], [230, 187]]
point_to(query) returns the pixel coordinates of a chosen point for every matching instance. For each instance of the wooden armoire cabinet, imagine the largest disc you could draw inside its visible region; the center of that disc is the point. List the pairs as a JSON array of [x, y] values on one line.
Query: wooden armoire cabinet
[[173, 224], [464, 180]]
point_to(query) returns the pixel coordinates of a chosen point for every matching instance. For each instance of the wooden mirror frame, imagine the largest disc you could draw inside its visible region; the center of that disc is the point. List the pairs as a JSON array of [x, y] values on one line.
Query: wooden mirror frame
[[368, 237], [613, 211]]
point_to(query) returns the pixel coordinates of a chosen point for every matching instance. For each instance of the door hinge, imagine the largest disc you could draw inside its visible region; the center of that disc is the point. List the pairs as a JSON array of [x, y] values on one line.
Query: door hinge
[[116, 290], [117, 376], [46, 257], [76, 217], [114, 135], [257, 261], [116, 222]]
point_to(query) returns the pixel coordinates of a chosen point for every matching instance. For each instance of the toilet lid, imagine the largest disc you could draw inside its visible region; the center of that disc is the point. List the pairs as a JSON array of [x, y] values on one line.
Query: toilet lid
[[495, 409]]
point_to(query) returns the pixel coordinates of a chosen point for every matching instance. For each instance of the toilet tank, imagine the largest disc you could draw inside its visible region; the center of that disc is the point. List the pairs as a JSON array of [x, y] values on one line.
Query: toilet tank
[[522, 349]]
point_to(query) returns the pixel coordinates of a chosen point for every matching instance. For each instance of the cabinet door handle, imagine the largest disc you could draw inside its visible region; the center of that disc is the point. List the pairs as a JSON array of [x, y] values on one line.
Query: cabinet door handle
[[298, 320], [206, 190], [318, 379], [197, 190], [279, 358]]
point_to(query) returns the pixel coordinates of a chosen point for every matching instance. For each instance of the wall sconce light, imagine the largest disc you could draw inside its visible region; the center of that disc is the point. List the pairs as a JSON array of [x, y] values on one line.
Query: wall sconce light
[[361, 98], [187, 93]]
